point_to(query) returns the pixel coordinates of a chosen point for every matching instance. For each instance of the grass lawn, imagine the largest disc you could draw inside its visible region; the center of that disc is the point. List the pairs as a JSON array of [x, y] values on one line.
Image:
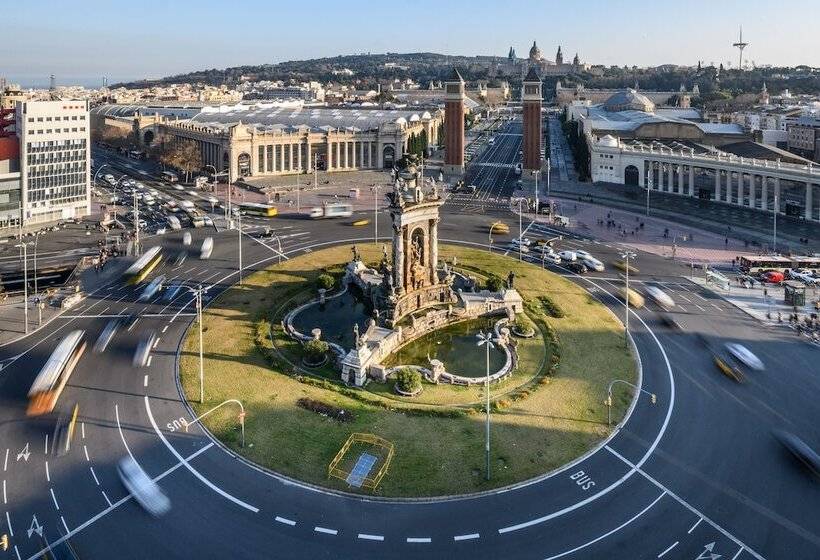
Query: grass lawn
[[562, 417]]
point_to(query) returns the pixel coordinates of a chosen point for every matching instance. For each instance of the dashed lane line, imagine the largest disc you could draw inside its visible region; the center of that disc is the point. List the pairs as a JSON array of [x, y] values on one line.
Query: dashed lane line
[[471, 536], [48, 478], [8, 523], [692, 528], [65, 525], [741, 549], [94, 474], [54, 499], [673, 545], [326, 531], [419, 540], [368, 537], [285, 521]]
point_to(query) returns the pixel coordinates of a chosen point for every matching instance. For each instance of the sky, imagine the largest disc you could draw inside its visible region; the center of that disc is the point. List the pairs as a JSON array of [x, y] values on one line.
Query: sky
[[82, 41]]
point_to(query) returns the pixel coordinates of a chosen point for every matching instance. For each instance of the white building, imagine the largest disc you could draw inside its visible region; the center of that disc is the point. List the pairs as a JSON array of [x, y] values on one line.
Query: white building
[[54, 160]]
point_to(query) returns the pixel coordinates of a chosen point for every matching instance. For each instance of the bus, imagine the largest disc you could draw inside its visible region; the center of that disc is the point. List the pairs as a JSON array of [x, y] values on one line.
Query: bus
[[173, 223], [258, 209], [143, 266], [50, 382], [758, 264], [169, 177]]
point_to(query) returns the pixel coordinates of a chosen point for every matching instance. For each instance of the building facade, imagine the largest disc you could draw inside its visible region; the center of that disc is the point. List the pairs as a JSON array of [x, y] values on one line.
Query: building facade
[[54, 141], [10, 188], [803, 137]]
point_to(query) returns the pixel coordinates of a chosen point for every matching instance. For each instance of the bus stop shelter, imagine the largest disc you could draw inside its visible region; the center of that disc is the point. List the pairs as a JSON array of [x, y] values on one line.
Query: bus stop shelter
[[794, 293]]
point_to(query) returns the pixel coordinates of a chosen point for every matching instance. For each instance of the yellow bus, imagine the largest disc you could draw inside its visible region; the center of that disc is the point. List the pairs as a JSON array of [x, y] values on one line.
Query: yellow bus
[[258, 209], [143, 266], [52, 379]]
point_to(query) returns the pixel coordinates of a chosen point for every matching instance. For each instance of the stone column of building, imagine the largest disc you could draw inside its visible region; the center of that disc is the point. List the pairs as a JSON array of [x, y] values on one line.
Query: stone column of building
[[681, 189], [308, 155], [299, 157], [670, 187], [691, 180], [433, 250], [716, 196], [752, 190], [730, 185], [361, 155], [531, 99], [809, 201], [338, 158], [329, 158], [291, 167], [454, 123], [281, 158]]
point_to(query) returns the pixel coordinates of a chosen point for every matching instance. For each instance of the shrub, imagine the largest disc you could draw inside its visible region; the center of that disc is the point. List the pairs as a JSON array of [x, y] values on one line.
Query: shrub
[[408, 380], [326, 409], [325, 281], [315, 350], [495, 283], [552, 308]]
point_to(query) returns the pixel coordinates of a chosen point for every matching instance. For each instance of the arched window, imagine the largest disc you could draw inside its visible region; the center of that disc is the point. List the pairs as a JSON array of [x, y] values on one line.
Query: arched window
[[631, 176]]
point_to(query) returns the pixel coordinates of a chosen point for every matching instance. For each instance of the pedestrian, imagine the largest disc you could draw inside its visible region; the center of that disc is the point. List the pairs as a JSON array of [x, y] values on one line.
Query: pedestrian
[[726, 242]]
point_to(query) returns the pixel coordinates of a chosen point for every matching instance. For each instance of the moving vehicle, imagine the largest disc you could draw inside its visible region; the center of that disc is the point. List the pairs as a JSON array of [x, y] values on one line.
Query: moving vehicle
[[106, 335], [50, 382], [593, 264], [267, 232], [198, 221], [772, 277], [186, 238], [63, 432], [754, 264], [499, 228], [660, 297], [258, 209], [173, 223], [568, 256], [186, 205], [518, 169], [152, 288], [513, 246], [332, 210], [621, 265], [169, 177], [800, 450], [745, 356], [801, 276], [143, 350], [172, 291], [359, 223], [727, 366], [180, 258], [179, 188], [577, 267], [635, 299], [671, 322], [143, 266], [207, 248], [145, 491]]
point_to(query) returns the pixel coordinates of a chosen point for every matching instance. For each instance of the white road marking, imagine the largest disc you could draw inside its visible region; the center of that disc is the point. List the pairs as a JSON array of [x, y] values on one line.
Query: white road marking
[[18, 458], [122, 436], [285, 521], [684, 503], [94, 475], [156, 342], [131, 326], [165, 328], [64, 524], [673, 545], [106, 497], [17, 552], [419, 539], [85, 450], [108, 510], [692, 528], [367, 537], [82, 429], [6, 461], [8, 522], [716, 306], [148, 363], [738, 553], [4, 492], [469, 537], [701, 308], [48, 475], [682, 308], [684, 298], [193, 471], [326, 531], [53, 497], [615, 530], [145, 381]]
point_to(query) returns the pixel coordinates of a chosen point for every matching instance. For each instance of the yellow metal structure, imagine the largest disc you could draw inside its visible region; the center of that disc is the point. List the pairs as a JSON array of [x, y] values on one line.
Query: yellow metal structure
[[385, 454]]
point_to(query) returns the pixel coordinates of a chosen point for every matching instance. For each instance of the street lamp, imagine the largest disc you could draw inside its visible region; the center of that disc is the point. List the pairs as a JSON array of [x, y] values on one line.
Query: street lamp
[[198, 293], [220, 405], [239, 218], [375, 189], [626, 255], [774, 230], [486, 340], [536, 172], [653, 397], [24, 247], [548, 178], [649, 181], [216, 182], [520, 228], [136, 224]]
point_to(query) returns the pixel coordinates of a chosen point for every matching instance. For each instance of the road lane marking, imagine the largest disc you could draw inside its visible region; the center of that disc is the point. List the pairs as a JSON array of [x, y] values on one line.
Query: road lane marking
[[165, 328], [48, 476], [615, 530], [8, 522], [192, 470], [106, 497], [53, 497], [18, 458], [469, 537], [4, 492], [145, 380], [95, 476], [131, 326], [108, 510], [673, 545], [148, 363], [285, 521], [692, 528], [64, 523], [701, 308], [419, 539], [737, 553], [368, 537], [326, 531], [6, 461], [82, 429], [85, 450]]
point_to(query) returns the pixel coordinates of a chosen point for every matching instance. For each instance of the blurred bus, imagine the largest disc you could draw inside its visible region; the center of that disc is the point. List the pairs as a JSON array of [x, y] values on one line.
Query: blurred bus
[[757, 264], [143, 266], [52, 379], [258, 209], [169, 177]]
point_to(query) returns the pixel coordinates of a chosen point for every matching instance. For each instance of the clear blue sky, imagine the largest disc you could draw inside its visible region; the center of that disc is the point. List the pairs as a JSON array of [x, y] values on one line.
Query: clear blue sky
[[82, 41]]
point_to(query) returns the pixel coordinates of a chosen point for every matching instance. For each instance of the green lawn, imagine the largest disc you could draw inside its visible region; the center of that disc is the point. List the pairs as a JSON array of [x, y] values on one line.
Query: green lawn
[[562, 416]]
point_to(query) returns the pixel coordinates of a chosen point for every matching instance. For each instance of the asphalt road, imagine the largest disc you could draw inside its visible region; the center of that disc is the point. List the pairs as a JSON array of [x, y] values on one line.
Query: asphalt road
[[696, 475]]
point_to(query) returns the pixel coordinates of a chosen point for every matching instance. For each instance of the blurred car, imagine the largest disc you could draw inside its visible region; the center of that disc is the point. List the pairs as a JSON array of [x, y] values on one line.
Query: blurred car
[[660, 297], [359, 223], [517, 247], [172, 291], [577, 267], [208, 221], [179, 188], [186, 238], [145, 491], [772, 277], [745, 356], [106, 335], [592, 263], [63, 432], [143, 350], [635, 299], [152, 288], [727, 366], [671, 322], [800, 450], [581, 254], [568, 256], [207, 248]]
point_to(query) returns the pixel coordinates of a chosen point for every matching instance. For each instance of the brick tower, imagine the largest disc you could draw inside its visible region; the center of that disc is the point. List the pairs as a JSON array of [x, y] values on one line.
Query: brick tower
[[531, 100], [454, 125]]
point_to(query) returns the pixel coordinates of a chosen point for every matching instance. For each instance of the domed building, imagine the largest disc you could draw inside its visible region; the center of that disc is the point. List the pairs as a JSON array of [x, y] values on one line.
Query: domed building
[[629, 100], [535, 53]]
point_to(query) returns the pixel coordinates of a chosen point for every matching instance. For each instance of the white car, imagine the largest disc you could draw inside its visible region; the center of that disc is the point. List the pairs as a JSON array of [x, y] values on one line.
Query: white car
[[106, 335], [568, 256], [520, 248], [744, 355], [207, 248], [660, 297], [522, 240], [179, 188], [193, 193], [152, 288], [581, 254], [145, 491], [592, 263], [186, 238], [143, 350], [551, 257]]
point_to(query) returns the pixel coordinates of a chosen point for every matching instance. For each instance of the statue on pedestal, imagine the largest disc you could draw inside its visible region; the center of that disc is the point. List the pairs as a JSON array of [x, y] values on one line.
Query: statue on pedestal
[[510, 280], [356, 256]]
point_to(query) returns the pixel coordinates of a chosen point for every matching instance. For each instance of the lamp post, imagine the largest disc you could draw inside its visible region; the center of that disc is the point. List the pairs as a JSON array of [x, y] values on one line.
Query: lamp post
[[548, 178], [239, 218], [649, 187], [24, 247], [375, 189], [536, 172], [486, 340], [216, 182], [774, 229], [136, 224], [198, 293], [298, 203], [520, 228], [608, 402], [626, 255]]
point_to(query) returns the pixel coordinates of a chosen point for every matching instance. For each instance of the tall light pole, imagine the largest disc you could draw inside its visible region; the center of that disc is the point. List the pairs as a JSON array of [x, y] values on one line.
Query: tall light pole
[[548, 178], [36, 239], [653, 397], [198, 293], [649, 182], [375, 189], [216, 182], [239, 217], [298, 203], [486, 340], [136, 224], [626, 255], [537, 171], [774, 230], [24, 247], [520, 228]]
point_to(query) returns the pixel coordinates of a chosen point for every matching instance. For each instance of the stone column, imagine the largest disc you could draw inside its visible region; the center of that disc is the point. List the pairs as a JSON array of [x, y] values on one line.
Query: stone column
[[717, 196], [764, 192], [281, 158], [809, 202], [338, 158], [752, 188], [398, 259], [299, 157], [361, 155], [776, 201], [290, 156], [308, 155], [670, 185], [264, 159], [729, 185], [329, 158], [680, 180], [433, 250], [691, 180], [740, 188]]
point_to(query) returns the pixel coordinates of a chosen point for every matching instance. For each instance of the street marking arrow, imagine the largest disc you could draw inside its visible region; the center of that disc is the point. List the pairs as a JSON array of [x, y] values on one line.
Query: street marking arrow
[[24, 454], [707, 553], [35, 527]]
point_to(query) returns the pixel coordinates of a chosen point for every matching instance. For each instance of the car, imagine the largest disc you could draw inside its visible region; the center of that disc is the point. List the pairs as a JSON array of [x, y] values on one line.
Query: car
[[568, 256], [745, 356], [671, 322], [800, 450], [513, 246], [207, 248], [499, 228], [581, 254], [106, 335], [63, 432], [727, 366], [186, 238], [145, 491], [172, 291], [143, 350], [772, 277], [193, 193], [593, 263], [552, 258], [208, 221], [152, 288], [522, 240], [179, 188], [660, 297], [577, 267], [161, 231]]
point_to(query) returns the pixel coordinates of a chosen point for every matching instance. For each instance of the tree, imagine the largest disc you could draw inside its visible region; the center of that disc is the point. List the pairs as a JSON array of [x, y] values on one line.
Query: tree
[[315, 350], [117, 137], [180, 153], [408, 380], [494, 283], [325, 281]]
